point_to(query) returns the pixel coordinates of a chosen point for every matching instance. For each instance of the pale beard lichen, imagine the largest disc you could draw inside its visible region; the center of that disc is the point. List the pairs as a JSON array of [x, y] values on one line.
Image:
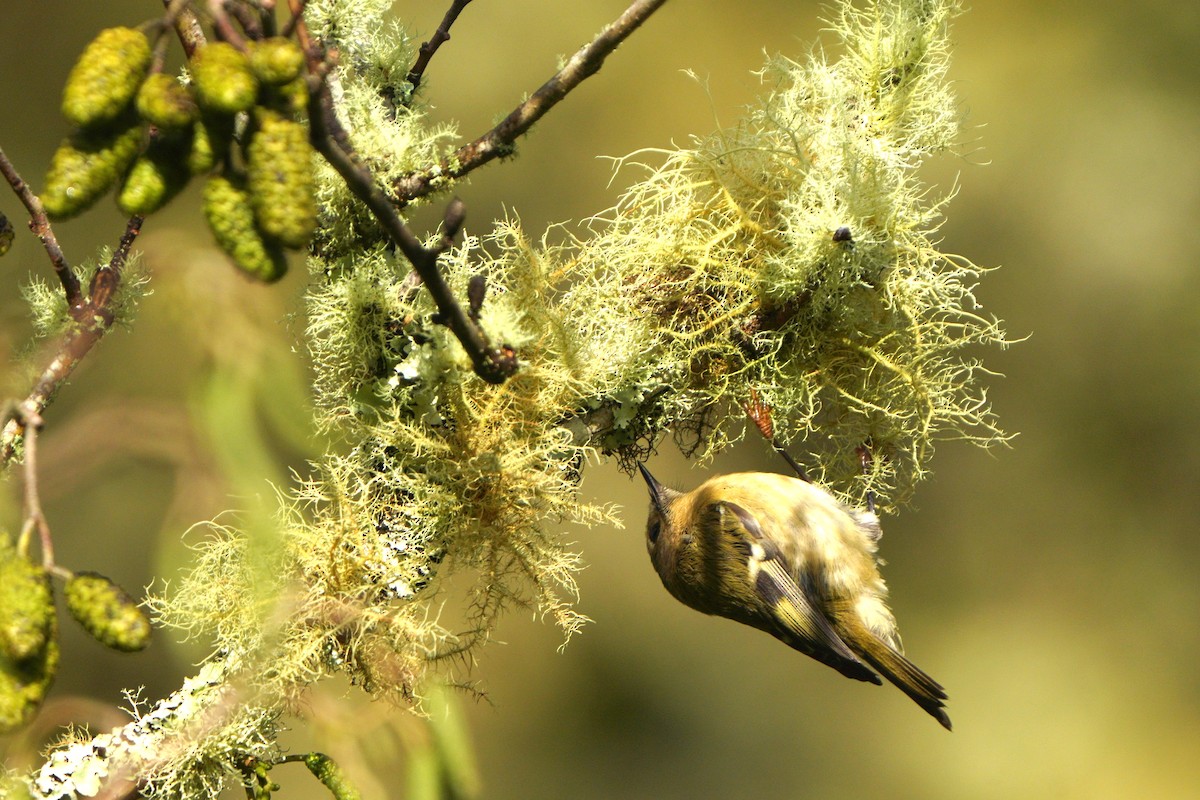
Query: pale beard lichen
[[790, 254]]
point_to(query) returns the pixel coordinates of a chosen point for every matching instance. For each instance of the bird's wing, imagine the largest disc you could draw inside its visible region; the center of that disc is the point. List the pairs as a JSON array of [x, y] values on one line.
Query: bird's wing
[[798, 619]]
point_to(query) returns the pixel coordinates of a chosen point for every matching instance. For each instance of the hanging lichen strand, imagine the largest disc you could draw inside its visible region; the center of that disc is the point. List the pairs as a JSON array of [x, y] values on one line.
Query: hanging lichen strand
[[788, 255], [791, 255]]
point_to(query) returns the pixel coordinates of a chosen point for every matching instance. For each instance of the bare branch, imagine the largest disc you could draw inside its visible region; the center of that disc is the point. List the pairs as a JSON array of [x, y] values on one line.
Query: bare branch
[[224, 26], [440, 37], [35, 518], [249, 18], [499, 141], [40, 225]]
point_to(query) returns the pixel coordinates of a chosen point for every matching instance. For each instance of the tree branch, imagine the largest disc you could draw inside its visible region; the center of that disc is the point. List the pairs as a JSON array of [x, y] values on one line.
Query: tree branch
[[440, 37], [40, 225], [187, 27], [499, 141], [93, 319], [492, 364]]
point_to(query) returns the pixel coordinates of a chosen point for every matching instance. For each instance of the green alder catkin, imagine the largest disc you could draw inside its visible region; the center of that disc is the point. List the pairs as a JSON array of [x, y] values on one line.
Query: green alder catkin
[[26, 605], [106, 77], [289, 99], [165, 102], [280, 177], [222, 79], [212, 138], [105, 611], [276, 61], [23, 685], [7, 234], [86, 166], [156, 176], [231, 219], [332, 776]]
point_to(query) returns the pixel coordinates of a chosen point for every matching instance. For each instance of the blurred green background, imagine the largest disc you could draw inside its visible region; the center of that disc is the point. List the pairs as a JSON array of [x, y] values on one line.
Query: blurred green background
[[1052, 587]]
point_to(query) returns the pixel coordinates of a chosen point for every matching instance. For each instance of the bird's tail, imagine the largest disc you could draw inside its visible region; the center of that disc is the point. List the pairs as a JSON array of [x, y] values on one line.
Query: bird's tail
[[907, 677]]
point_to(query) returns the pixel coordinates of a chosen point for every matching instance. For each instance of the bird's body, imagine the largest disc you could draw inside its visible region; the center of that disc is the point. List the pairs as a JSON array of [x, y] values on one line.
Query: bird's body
[[784, 556]]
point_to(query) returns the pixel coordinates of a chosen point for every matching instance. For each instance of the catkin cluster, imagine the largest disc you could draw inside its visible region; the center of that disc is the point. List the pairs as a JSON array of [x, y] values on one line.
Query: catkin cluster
[[29, 652], [147, 134]]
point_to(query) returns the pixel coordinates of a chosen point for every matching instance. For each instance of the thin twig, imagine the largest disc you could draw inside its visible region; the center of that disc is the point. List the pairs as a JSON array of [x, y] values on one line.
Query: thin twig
[[297, 15], [94, 318], [248, 18], [187, 28], [440, 37], [865, 459], [35, 519], [499, 141], [224, 26], [40, 225], [760, 414], [492, 364]]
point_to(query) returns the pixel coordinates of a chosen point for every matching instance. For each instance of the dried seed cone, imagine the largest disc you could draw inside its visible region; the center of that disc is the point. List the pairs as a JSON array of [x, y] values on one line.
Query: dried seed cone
[[165, 102], [279, 174], [23, 685], [222, 79], [86, 166], [26, 606], [231, 218], [105, 611], [157, 176], [106, 77], [276, 61]]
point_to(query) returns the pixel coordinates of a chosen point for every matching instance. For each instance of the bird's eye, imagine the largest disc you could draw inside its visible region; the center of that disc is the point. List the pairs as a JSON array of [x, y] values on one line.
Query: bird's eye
[[652, 531]]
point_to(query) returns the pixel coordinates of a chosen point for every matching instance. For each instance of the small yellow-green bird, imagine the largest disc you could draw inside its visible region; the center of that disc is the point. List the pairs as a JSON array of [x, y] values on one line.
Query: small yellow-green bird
[[784, 556]]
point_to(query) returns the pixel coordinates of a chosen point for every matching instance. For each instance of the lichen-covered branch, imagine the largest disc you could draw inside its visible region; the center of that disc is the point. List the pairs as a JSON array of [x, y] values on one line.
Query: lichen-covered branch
[[93, 320], [492, 364], [787, 261], [187, 27]]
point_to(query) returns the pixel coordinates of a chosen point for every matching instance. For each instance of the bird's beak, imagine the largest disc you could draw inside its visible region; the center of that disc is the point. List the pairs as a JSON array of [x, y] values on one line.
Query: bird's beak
[[656, 490]]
